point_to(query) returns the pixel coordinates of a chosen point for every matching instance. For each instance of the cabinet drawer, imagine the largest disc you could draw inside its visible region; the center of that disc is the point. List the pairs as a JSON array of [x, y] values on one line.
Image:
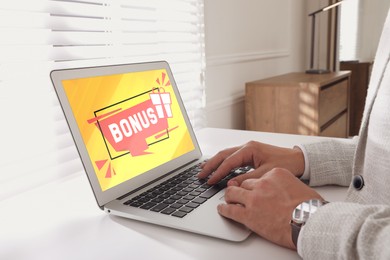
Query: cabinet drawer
[[338, 128], [299, 103], [332, 101]]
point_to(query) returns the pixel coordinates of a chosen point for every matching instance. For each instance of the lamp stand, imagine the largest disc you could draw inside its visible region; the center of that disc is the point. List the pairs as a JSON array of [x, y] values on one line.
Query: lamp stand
[[313, 33]]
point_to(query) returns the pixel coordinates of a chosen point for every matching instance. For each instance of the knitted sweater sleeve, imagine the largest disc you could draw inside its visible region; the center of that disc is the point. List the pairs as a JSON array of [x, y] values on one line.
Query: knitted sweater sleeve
[[330, 161], [343, 230]]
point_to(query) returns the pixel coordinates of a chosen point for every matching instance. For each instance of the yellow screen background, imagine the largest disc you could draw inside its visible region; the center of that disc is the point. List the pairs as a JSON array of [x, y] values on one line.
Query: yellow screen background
[[87, 95]]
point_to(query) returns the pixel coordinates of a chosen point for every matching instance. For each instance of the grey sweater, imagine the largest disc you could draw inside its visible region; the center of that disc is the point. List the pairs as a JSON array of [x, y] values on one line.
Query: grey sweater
[[358, 228]]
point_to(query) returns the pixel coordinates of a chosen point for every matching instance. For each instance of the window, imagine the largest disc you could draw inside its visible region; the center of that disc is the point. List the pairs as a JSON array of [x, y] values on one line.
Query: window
[[42, 35], [349, 30]]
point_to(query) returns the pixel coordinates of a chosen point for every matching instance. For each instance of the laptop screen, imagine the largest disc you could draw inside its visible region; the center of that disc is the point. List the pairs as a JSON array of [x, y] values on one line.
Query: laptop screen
[[130, 123]]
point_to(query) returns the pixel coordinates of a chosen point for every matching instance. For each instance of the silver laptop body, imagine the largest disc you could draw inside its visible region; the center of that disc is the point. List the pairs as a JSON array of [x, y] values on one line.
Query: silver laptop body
[[132, 132]]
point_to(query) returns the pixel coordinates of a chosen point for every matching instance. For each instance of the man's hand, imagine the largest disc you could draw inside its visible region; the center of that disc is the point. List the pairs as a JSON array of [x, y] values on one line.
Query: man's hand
[[265, 205], [262, 157]]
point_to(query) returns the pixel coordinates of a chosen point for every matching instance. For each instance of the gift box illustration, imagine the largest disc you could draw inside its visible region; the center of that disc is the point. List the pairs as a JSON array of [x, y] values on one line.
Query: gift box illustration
[[162, 101]]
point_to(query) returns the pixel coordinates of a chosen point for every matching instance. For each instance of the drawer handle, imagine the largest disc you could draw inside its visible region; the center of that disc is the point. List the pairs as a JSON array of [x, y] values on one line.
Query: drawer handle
[[334, 119]]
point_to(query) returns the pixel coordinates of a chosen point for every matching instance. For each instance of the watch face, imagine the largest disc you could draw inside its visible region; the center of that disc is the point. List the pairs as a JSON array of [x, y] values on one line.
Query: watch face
[[303, 211]]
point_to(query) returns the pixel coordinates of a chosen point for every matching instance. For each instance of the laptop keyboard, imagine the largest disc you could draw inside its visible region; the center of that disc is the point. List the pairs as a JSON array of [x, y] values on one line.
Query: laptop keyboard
[[182, 193]]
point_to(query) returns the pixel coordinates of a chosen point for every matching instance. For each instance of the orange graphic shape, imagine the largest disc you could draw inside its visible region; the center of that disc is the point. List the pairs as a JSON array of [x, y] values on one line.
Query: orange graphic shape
[[108, 173], [163, 80], [100, 164], [165, 132]]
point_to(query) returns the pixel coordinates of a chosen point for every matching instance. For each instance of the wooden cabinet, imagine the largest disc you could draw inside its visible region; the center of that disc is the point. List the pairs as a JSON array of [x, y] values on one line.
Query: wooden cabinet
[[299, 103], [360, 77]]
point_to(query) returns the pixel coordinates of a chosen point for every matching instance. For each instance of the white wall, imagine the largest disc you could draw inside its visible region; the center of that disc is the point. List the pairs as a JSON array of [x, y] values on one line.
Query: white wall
[[372, 17], [251, 39], [245, 41]]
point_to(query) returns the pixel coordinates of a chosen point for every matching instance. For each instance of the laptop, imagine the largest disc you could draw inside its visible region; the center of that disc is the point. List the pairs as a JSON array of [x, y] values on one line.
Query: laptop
[[138, 148]]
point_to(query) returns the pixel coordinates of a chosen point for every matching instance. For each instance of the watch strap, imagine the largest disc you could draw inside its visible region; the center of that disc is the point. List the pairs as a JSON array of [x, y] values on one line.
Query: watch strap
[[295, 229]]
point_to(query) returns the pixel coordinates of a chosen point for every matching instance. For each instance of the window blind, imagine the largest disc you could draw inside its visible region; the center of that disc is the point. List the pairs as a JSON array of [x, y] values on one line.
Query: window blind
[[41, 35]]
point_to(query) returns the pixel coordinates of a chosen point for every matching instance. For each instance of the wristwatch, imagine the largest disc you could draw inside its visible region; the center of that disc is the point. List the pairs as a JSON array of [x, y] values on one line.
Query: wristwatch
[[301, 214]]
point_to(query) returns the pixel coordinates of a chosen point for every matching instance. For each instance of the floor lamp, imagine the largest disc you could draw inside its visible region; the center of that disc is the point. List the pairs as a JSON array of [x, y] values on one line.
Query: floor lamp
[[313, 33]]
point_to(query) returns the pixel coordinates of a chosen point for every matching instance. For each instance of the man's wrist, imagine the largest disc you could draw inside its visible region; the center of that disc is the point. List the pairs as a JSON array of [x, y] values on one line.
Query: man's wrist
[[305, 169]]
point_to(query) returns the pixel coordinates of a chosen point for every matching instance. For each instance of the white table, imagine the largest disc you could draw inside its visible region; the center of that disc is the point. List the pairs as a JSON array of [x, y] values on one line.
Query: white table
[[61, 220]]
